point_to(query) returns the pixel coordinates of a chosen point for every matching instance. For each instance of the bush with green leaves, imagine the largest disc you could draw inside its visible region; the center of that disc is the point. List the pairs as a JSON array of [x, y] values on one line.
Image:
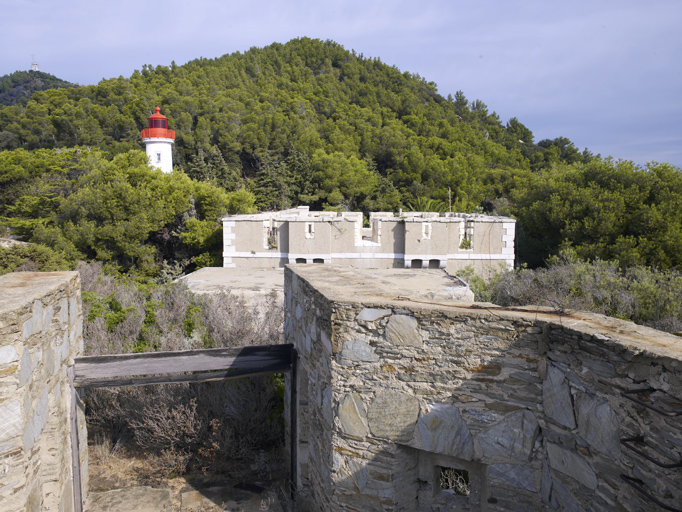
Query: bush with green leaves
[[32, 258], [641, 294], [120, 211]]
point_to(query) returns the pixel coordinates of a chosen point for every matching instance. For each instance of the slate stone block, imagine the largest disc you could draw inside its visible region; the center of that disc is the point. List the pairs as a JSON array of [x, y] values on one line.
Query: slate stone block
[[556, 398], [393, 415], [442, 430]]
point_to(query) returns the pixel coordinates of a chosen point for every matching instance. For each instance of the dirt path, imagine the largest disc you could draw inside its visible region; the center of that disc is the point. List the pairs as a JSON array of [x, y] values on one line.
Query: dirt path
[[121, 483]]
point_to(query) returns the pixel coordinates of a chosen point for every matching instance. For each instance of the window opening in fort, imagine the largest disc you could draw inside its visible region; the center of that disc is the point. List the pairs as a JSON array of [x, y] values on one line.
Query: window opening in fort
[[426, 230], [466, 236], [455, 480], [434, 263], [301, 260], [309, 230], [318, 260], [416, 264], [272, 238]]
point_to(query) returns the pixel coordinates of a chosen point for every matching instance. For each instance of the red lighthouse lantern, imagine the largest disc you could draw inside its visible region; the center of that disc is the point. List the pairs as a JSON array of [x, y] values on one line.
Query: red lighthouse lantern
[[159, 141]]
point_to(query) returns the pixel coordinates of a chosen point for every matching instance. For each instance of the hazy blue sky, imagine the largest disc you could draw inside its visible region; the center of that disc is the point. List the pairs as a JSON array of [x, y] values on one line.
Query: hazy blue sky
[[606, 74]]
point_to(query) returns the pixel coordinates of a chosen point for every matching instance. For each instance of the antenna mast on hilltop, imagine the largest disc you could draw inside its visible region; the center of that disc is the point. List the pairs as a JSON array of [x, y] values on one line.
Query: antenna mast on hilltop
[[34, 64]]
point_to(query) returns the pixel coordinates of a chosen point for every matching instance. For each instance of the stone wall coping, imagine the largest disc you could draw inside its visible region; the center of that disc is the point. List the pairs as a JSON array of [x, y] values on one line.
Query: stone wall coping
[[348, 284], [18, 288], [370, 289]]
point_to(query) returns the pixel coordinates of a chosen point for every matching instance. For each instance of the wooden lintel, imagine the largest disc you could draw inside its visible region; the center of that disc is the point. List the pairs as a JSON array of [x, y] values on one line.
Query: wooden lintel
[[92, 368], [177, 379]]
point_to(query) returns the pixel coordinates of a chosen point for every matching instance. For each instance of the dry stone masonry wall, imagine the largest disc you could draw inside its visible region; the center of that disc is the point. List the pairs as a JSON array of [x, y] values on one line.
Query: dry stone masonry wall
[[40, 333], [526, 405]]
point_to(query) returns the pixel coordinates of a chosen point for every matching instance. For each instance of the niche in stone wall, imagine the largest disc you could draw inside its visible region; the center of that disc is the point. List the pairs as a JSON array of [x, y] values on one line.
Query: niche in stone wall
[[449, 483]]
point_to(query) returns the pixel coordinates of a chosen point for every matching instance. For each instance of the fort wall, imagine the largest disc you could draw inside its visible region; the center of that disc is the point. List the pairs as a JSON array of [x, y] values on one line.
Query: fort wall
[[41, 328], [527, 404], [449, 241]]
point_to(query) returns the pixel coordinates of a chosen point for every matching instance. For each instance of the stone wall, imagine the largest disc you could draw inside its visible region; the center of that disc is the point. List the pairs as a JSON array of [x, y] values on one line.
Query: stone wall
[[40, 333], [525, 403]]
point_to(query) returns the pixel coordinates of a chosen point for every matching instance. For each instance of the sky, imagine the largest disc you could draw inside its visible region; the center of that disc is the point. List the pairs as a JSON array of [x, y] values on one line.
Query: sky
[[607, 74]]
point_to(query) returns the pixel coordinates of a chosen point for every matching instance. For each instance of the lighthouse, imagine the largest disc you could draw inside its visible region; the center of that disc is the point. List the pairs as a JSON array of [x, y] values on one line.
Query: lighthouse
[[159, 141]]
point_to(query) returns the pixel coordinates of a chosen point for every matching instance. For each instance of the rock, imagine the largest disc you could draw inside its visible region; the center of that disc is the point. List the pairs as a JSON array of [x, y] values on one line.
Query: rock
[[512, 438], [10, 419], [521, 476], [359, 473], [442, 430], [34, 324], [326, 342], [393, 415], [41, 412], [73, 309], [63, 311], [25, 367], [359, 351], [571, 464], [47, 319], [401, 330], [372, 315], [564, 498], [545, 483], [8, 355], [352, 415], [601, 368], [598, 424], [556, 398], [131, 499]]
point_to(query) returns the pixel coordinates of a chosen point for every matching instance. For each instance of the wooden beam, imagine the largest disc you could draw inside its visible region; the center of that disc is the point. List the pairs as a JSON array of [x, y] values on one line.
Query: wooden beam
[[92, 368], [177, 379]]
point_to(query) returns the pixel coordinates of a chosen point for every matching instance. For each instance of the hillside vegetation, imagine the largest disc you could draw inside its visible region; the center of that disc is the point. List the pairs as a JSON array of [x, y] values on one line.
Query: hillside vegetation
[[17, 88], [309, 122]]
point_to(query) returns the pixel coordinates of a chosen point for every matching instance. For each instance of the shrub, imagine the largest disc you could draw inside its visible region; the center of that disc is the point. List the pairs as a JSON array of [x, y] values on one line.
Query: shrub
[[32, 258], [641, 294], [219, 426]]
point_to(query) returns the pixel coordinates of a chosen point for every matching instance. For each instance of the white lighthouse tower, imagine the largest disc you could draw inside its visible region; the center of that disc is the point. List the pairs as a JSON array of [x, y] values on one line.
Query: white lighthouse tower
[[159, 141]]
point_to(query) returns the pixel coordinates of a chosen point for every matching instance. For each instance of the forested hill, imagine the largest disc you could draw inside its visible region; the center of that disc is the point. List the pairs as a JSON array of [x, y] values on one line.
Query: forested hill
[[17, 88], [251, 115], [309, 122]]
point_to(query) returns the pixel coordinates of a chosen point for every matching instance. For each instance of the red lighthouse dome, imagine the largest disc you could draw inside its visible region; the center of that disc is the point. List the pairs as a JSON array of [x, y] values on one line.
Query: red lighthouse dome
[[158, 127], [159, 140]]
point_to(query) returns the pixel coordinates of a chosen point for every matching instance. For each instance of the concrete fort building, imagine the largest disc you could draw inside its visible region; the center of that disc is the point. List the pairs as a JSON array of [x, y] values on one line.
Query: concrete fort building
[[450, 241], [159, 142]]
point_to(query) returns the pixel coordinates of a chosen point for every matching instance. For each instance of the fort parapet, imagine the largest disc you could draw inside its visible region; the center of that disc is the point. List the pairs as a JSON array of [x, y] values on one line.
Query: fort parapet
[[41, 327], [535, 409], [450, 241]]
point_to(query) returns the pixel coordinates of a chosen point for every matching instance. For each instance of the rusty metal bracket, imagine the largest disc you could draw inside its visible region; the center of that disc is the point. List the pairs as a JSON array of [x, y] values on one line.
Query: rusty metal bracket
[[637, 484], [640, 439], [627, 394]]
